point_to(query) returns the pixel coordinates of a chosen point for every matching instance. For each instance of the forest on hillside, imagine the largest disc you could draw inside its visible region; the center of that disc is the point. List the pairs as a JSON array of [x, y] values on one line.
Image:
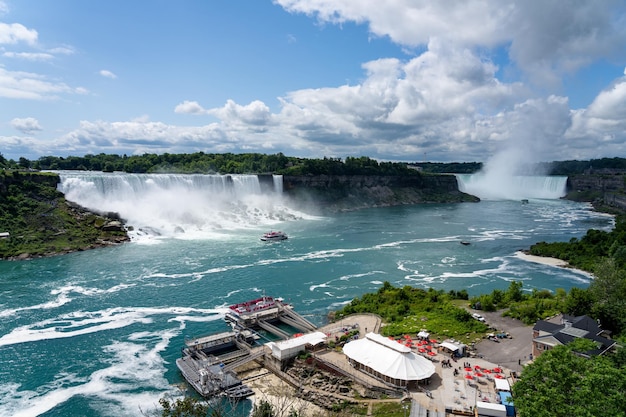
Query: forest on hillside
[[255, 163]]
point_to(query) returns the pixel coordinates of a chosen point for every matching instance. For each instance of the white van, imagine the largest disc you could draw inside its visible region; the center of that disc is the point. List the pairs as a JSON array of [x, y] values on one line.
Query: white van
[[478, 317]]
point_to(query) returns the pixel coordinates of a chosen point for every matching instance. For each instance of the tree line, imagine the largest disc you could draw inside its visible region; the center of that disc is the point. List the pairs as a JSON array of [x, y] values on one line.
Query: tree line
[[211, 163], [254, 163]]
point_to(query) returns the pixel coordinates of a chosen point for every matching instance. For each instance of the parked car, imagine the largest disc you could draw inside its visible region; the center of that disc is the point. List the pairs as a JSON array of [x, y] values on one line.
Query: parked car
[[478, 317]]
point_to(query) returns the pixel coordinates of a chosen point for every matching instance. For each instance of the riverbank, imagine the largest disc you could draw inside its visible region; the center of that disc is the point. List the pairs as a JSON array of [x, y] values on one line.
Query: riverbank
[[542, 260]]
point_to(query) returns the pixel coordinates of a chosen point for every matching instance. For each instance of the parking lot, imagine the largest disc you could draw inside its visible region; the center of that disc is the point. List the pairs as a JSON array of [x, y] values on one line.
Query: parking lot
[[512, 352]]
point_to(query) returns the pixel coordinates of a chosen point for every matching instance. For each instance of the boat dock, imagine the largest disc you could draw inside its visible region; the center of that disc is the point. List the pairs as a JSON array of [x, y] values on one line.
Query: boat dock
[[264, 313], [209, 379], [220, 341], [208, 362]]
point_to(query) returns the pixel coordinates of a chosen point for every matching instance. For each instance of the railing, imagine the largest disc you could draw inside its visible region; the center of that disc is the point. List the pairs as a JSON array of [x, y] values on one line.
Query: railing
[[234, 365], [273, 329]]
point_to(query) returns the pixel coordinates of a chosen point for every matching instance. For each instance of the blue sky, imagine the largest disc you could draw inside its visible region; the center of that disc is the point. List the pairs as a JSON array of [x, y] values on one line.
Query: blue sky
[[403, 80]]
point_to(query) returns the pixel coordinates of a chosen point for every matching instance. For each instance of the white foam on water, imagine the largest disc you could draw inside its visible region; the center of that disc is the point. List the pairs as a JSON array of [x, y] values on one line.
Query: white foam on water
[[133, 380], [81, 323], [365, 274], [314, 287], [63, 297], [60, 300]]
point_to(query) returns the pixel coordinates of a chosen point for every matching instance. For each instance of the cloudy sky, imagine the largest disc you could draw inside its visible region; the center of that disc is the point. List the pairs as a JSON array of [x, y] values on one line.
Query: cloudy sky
[[397, 80]]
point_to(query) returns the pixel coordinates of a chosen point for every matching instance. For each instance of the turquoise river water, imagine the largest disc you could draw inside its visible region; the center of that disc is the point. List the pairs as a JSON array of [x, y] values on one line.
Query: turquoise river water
[[97, 333]]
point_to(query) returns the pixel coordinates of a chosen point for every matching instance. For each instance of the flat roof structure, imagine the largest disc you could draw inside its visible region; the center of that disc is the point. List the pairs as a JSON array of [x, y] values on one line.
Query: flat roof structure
[[289, 348], [502, 384]]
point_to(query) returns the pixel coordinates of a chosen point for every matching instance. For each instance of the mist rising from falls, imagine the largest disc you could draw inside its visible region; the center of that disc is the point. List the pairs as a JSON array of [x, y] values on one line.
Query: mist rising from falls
[[185, 206], [512, 187]]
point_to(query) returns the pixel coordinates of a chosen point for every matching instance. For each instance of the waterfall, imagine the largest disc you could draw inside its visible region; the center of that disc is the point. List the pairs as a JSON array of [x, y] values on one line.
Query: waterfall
[[190, 206], [494, 187], [278, 183]]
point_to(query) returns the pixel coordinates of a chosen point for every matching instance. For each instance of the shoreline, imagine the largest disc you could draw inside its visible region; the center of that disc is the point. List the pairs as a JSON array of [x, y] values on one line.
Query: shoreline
[[545, 260]]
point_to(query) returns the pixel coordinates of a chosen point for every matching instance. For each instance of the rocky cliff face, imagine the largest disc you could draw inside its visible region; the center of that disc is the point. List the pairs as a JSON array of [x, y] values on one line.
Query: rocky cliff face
[[597, 182], [353, 192], [603, 190]]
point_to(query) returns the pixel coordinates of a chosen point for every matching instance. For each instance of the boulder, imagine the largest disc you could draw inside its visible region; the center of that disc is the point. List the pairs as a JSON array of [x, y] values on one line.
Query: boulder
[[113, 226]]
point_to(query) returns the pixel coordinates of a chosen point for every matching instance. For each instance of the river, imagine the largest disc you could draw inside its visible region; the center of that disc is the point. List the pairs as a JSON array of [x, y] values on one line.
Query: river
[[97, 333]]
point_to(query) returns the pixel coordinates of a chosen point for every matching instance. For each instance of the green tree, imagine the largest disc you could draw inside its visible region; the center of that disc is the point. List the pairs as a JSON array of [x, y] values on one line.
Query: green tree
[[24, 163], [579, 301], [608, 290], [514, 293], [263, 409], [560, 383], [183, 407]]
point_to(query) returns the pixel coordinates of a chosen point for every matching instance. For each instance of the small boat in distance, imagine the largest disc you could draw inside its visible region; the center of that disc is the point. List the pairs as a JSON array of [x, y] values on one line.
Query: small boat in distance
[[273, 236]]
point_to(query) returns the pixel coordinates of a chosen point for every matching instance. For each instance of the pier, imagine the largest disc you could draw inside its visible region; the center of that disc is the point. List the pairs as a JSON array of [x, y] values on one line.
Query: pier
[[263, 312], [208, 362], [203, 363]]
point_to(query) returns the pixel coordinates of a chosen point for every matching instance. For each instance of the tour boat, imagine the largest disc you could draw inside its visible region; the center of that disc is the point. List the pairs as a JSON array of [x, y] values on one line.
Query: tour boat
[[271, 236]]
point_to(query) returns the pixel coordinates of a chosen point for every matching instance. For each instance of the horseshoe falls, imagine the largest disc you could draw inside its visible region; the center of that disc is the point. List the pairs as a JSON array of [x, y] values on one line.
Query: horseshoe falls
[[496, 187], [96, 333]]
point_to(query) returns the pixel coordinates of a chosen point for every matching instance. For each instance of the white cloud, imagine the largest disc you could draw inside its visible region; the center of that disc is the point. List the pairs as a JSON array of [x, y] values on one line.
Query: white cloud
[[414, 22], [256, 113], [600, 129], [450, 101], [28, 125], [62, 50], [189, 107], [445, 104], [544, 38], [12, 33], [26, 85], [107, 74], [610, 104], [405, 107], [29, 56], [550, 38], [139, 136]]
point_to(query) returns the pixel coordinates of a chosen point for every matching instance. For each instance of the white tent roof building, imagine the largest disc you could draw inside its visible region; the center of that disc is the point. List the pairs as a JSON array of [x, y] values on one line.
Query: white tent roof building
[[388, 360]]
